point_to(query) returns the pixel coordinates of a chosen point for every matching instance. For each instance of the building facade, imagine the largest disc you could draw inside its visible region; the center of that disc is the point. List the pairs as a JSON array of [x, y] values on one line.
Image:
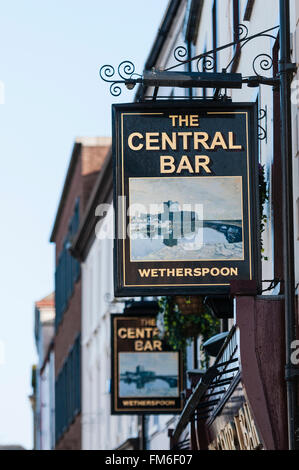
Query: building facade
[[93, 246], [43, 383], [257, 320], [86, 161], [240, 402]]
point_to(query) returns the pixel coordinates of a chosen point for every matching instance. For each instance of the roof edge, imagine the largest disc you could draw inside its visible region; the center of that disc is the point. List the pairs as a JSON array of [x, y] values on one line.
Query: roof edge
[[76, 150], [160, 38], [101, 193]]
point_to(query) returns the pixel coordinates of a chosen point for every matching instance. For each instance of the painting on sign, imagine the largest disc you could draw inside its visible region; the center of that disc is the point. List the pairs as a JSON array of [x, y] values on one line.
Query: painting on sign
[[174, 219], [148, 374]]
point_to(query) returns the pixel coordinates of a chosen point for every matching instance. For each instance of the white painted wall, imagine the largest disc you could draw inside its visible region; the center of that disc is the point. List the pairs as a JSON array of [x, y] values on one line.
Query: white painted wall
[[47, 400], [45, 384], [265, 15], [100, 430]]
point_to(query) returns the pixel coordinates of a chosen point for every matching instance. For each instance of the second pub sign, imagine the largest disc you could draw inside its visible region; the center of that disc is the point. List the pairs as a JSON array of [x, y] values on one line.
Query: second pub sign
[[186, 197]]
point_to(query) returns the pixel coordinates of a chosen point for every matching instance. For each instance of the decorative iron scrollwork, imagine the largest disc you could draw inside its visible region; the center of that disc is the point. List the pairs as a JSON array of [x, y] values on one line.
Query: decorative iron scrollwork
[[242, 31], [206, 63], [180, 53], [262, 131], [126, 72], [262, 62], [126, 69]]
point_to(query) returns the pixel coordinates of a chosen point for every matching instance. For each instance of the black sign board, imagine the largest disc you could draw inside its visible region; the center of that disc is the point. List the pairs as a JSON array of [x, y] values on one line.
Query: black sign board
[[186, 197], [146, 374]]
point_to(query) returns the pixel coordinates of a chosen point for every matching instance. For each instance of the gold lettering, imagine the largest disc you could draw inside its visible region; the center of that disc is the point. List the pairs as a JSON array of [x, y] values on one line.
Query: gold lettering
[[162, 271], [241, 433], [203, 164], [185, 165], [171, 142], [173, 119], [183, 120], [130, 141], [144, 272], [218, 141], [231, 144], [131, 333], [157, 344], [150, 139], [138, 345], [215, 272], [225, 271], [122, 333], [148, 346], [148, 332], [185, 136], [170, 272], [201, 138], [194, 121], [139, 333], [166, 162]]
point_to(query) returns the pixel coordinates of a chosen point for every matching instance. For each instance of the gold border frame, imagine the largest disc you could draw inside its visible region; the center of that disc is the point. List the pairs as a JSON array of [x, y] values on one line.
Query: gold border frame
[[123, 208], [116, 374]]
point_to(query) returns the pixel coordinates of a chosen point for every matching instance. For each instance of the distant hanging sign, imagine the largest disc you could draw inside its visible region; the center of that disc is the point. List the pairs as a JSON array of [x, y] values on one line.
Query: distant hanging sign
[[185, 194], [147, 375]]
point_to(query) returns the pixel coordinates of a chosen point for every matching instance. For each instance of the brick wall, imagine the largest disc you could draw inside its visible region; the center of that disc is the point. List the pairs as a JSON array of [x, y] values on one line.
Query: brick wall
[[71, 440], [92, 160], [87, 159]]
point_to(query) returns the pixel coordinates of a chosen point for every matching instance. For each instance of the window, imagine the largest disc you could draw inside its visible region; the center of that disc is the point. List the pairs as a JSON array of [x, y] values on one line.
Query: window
[[68, 390], [67, 270]]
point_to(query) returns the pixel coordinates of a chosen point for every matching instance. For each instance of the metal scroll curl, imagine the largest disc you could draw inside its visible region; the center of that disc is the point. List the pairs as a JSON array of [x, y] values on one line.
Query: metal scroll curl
[[125, 70], [262, 63], [106, 72], [262, 131], [205, 63], [266, 62], [262, 134], [242, 31], [180, 53]]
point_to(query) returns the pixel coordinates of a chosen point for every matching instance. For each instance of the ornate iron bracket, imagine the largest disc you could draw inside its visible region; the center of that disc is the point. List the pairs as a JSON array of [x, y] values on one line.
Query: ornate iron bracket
[[205, 64], [126, 76], [206, 61]]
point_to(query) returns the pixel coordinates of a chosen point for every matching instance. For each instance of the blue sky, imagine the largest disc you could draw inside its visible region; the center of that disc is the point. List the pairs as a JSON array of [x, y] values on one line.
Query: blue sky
[[50, 55]]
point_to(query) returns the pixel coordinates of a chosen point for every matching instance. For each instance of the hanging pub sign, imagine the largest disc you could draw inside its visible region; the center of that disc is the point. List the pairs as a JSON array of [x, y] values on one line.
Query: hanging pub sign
[[146, 374], [186, 197]]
